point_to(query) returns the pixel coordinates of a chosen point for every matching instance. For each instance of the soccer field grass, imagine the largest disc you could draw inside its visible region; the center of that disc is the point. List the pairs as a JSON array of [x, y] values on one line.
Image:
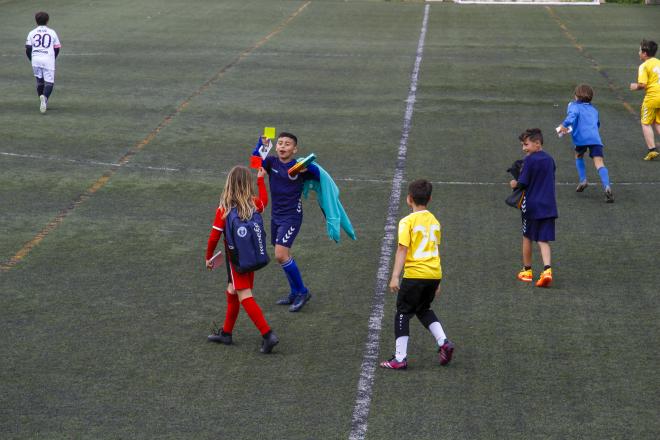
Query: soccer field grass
[[107, 201]]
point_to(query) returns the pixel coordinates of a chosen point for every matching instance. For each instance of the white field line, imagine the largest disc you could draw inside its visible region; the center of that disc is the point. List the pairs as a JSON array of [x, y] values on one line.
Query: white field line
[[359, 419], [224, 172], [83, 161], [523, 2], [469, 183], [21, 54]]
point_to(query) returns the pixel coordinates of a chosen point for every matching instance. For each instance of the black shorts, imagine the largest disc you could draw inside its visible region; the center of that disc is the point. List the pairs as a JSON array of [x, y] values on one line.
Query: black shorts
[[594, 150], [416, 295]]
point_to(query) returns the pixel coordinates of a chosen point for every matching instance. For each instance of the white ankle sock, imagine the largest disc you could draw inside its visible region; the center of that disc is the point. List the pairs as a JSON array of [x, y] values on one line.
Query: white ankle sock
[[401, 348], [437, 332]]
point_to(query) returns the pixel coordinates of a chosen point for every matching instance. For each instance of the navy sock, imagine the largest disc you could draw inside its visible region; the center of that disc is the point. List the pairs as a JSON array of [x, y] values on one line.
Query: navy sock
[[40, 86], [292, 292], [48, 89], [294, 276]]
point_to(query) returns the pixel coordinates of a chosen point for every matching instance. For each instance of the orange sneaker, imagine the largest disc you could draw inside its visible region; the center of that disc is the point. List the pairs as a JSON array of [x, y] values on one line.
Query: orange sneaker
[[545, 279], [525, 275]]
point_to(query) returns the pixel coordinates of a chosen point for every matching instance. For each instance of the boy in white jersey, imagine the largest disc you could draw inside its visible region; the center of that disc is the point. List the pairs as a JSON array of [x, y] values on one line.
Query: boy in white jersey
[[42, 47], [419, 257]]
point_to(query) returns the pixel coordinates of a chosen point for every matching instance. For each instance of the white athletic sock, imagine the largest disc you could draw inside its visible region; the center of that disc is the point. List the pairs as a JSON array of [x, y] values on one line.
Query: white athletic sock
[[437, 332], [401, 348]]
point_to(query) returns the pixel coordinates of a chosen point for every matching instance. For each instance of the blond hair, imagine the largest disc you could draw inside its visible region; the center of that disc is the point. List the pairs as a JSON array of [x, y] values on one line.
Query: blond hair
[[238, 193]]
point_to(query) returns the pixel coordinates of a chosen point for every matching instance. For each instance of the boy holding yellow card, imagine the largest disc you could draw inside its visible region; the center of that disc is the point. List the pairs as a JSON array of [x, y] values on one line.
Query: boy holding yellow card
[[286, 209], [264, 145]]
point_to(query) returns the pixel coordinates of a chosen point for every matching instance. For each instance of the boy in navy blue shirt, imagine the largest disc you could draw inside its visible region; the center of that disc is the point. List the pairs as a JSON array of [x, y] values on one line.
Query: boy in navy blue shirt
[[582, 118], [539, 206], [287, 214]]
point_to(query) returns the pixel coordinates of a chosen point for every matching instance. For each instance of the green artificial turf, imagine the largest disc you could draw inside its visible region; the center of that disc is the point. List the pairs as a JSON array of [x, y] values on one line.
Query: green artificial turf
[[104, 321]]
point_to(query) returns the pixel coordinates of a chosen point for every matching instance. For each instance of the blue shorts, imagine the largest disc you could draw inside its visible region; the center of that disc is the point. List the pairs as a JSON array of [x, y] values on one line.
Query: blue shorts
[[594, 150], [539, 230], [284, 232]]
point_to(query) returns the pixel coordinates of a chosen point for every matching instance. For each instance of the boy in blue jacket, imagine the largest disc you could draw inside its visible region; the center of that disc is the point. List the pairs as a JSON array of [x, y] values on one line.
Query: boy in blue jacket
[[582, 119]]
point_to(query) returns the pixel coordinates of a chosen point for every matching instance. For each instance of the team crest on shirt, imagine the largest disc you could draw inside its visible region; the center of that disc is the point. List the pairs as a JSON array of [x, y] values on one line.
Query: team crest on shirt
[[241, 232], [292, 177]]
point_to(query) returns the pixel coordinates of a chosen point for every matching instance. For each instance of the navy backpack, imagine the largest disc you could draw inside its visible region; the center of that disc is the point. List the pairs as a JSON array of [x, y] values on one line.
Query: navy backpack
[[246, 240]]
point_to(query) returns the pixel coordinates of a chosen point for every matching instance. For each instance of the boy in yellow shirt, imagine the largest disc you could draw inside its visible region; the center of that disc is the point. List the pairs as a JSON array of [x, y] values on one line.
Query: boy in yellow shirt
[[419, 258], [648, 79]]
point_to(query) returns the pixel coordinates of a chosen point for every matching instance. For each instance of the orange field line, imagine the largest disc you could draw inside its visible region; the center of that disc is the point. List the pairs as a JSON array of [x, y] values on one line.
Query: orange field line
[[611, 84], [123, 160]]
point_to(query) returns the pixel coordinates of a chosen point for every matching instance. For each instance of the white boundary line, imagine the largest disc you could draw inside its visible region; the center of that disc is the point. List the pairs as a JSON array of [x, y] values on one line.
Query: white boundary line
[[64, 54], [359, 419], [468, 183], [83, 161], [523, 2], [337, 179]]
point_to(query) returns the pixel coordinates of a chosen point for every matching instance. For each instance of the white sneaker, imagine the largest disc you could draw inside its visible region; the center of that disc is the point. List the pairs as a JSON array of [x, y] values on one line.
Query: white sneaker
[[44, 104]]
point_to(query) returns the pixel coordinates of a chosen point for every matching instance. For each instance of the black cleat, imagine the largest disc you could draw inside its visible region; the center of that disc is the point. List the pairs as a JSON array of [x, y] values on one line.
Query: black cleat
[[609, 197], [300, 301], [220, 337], [286, 300], [582, 186], [270, 340]]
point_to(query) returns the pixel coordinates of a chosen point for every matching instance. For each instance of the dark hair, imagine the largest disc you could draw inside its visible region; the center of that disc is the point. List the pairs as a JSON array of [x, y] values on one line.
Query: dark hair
[[584, 93], [648, 47], [41, 18], [420, 191], [284, 134], [533, 134]]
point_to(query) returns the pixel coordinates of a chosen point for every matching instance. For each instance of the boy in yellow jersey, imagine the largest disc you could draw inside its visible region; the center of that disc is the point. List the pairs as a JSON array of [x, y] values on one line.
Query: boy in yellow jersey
[[419, 258], [648, 78]]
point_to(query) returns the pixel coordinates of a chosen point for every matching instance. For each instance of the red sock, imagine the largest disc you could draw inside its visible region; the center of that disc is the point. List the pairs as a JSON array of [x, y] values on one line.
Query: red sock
[[233, 307], [256, 315]]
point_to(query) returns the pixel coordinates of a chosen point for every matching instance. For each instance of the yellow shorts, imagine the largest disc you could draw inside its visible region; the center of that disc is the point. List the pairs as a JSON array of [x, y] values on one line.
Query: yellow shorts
[[650, 113]]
